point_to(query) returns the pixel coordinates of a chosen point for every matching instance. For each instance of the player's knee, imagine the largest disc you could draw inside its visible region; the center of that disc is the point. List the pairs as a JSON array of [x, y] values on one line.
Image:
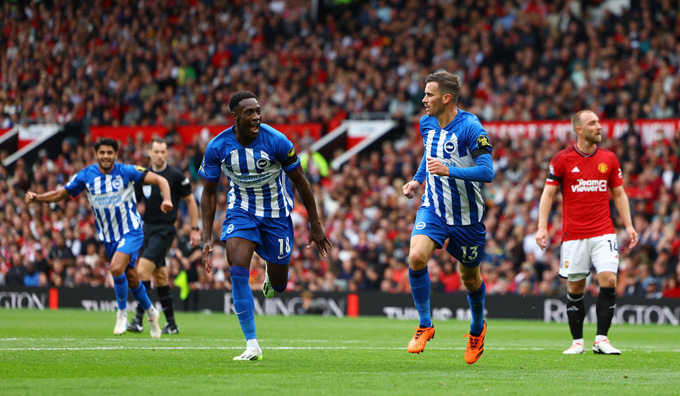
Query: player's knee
[[471, 282], [417, 260]]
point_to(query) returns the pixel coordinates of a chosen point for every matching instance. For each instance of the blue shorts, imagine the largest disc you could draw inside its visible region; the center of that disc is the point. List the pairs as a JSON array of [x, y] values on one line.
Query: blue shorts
[[466, 243], [129, 244], [274, 236]]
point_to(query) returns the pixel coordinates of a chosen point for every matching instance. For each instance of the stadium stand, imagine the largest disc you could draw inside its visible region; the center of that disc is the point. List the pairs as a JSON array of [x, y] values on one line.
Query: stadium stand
[[169, 63]]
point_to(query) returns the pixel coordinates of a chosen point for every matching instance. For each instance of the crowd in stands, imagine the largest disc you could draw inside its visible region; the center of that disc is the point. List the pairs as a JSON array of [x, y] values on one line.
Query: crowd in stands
[[176, 62]]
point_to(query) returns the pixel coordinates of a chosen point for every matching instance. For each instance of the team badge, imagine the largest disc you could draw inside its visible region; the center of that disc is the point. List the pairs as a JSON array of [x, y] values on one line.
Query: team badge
[[452, 145], [117, 183], [230, 228], [262, 163], [602, 168], [566, 263], [420, 225]]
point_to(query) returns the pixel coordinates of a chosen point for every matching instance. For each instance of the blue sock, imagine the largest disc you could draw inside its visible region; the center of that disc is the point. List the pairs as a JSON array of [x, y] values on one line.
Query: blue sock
[[141, 295], [420, 289], [476, 301], [120, 287], [243, 301]]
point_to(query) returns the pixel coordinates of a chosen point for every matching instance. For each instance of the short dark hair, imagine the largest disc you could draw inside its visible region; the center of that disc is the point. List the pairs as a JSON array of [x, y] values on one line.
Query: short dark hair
[[237, 97], [158, 140], [448, 83], [106, 142]]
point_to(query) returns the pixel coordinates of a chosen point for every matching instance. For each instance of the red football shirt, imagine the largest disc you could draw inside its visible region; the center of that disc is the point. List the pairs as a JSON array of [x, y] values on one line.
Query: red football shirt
[[585, 180]]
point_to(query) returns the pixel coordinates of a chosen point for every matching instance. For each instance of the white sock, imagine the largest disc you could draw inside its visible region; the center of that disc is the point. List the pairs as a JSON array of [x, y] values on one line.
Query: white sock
[[600, 338], [579, 341], [122, 312], [252, 343], [150, 310]]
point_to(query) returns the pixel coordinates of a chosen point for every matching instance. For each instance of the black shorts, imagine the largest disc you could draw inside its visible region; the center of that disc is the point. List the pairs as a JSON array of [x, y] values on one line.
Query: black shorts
[[157, 241]]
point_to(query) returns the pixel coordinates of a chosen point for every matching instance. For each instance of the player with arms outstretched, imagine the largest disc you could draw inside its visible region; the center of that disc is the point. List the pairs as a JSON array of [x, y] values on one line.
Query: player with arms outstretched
[[256, 159], [587, 173], [110, 190], [456, 162]]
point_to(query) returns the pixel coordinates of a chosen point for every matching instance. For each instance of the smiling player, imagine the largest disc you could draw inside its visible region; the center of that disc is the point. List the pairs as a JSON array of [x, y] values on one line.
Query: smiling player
[[256, 159]]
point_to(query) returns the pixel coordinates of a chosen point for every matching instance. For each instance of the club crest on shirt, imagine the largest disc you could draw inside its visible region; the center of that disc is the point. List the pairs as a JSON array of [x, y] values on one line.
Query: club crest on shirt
[[230, 228], [117, 183], [602, 168], [566, 263], [451, 145], [420, 225], [262, 163]]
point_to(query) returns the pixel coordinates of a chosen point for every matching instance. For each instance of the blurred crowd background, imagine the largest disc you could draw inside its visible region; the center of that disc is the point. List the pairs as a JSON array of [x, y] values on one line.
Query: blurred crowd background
[[172, 63]]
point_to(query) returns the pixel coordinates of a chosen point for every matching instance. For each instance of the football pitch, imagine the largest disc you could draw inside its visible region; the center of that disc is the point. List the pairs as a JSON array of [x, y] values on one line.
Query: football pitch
[[74, 352]]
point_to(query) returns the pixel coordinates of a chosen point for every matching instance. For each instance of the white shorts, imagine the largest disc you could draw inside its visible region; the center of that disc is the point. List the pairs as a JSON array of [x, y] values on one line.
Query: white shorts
[[578, 254]]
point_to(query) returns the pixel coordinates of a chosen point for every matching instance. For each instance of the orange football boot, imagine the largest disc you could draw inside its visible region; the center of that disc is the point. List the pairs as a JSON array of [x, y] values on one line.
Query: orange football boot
[[475, 346], [420, 338]]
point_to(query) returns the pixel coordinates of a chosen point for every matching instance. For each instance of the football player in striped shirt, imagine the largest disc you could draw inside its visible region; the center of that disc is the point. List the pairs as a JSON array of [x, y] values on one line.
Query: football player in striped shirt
[[110, 191], [457, 160], [258, 160], [587, 173]]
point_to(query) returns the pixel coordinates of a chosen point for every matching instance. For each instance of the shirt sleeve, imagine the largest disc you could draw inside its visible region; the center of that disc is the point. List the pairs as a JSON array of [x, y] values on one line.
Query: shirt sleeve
[[77, 184], [478, 140], [184, 184], [134, 173], [210, 166], [616, 176], [285, 153], [555, 172]]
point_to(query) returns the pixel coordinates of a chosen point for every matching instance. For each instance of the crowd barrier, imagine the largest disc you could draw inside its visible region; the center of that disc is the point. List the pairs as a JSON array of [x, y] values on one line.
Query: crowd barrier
[[394, 306]]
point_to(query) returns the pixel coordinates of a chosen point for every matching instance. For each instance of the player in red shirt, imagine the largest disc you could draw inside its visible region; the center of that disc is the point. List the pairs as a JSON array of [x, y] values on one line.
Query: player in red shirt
[[586, 174]]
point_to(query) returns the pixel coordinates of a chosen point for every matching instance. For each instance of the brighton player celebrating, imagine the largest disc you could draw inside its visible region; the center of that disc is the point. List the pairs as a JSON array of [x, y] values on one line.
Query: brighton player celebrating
[[456, 162], [586, 174], [110, 190], [256, 159]]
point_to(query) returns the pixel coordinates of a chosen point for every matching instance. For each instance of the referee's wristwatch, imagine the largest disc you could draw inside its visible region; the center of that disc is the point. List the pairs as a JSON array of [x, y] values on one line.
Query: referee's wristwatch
[[195, 229]]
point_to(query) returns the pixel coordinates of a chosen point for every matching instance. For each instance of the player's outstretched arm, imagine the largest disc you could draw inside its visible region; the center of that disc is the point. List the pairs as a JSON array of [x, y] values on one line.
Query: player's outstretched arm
[[50, 196], [162, 183], [316, 233], [543, 212], [208, 206], [623, 207]]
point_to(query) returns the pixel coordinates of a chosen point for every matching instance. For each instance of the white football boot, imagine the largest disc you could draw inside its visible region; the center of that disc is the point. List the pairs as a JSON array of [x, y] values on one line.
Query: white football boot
[[251, 353], [154, 327], [575, 349], [603, 347], [121, 323]]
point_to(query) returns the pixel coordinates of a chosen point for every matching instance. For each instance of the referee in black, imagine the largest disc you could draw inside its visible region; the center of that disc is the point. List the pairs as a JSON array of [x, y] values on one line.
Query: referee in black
[[160, 232]]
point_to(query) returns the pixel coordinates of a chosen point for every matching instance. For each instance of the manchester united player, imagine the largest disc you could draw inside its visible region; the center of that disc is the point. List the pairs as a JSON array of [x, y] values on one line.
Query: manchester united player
[[586, 174]]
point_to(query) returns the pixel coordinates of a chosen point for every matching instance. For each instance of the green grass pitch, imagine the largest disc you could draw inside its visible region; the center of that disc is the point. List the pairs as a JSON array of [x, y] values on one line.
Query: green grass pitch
[[74, 352]]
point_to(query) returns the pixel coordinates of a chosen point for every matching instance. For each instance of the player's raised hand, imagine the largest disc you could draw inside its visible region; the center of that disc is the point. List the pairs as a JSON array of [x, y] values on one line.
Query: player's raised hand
[[317, 236], [30, 197], [542, 238], [410, 188], [436, 167], [633, 236], [207, 249], [166, 205]]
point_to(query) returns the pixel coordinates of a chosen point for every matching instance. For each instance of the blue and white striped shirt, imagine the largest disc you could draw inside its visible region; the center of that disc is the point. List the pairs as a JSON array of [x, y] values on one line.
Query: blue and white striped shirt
[[112, 196], [458, 202], [256, 173]]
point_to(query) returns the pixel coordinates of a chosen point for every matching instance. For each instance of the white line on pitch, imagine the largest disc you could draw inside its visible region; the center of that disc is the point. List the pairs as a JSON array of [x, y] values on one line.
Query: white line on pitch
[[199, 348]]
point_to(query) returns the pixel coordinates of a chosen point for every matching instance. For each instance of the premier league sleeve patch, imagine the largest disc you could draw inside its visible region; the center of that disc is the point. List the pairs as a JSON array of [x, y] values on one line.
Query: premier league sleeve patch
[[483, 146]]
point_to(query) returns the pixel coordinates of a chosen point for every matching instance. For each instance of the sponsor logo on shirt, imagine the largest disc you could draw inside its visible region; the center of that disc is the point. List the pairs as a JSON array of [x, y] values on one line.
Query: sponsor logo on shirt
[[575, 170], [589, 186]]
